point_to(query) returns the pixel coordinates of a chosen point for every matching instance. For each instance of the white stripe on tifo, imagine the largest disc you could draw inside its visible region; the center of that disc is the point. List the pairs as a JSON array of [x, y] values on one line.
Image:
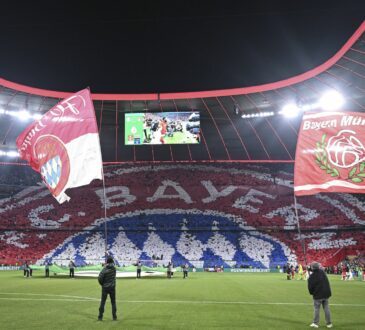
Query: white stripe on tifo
[[199, 302]]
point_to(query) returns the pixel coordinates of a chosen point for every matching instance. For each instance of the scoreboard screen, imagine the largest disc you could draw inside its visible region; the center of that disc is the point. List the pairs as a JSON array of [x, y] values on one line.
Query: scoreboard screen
[[162, 128]]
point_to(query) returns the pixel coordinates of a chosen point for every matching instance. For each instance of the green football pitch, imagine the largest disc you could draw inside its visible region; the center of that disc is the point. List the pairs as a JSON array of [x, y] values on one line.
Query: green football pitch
[[204, 301]]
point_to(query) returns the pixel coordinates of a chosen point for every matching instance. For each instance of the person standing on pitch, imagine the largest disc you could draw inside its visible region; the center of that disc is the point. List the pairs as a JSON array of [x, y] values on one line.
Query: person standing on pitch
[[31, 269], [71, 265], [139, 268], [300, 272], [107, 281], [319, 288], [169, 270], [26, 269], [185, 270], [46, 268]]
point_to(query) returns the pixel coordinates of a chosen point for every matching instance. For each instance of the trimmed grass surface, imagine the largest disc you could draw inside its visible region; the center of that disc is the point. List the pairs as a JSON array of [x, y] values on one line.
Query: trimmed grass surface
[[180, 137], [204, 301]]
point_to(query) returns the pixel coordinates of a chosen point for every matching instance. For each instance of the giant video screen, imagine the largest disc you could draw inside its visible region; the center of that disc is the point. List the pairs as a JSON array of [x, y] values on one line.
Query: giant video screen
[[162, 128]]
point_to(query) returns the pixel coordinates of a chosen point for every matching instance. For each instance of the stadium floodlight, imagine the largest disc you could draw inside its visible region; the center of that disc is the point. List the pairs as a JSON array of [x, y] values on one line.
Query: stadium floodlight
[[12, 153], [290, 110], [258, 114], [2, 111], [37, 116], [331, 100], [23, 115]]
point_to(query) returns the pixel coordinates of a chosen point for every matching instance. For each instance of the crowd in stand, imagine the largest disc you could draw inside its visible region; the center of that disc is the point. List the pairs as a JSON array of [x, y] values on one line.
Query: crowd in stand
[[18, 176], [349, 268], [195, 238]]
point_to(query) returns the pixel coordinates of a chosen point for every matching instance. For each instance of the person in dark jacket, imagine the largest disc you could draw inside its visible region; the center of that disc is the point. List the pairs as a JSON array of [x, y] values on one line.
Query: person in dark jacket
[[46, 268], [107, 281], [319, 288], [288, 272], [185, 270], [26, 269], [31, 269], [71, 266], [169, 270], [139, 268]]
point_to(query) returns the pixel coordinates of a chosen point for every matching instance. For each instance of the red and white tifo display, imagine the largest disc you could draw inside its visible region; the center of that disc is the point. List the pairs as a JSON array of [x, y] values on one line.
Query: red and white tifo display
[[232, 214]]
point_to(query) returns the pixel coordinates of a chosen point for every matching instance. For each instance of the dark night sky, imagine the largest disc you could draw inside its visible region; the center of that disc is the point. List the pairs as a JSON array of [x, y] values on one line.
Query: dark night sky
[[179, 46]]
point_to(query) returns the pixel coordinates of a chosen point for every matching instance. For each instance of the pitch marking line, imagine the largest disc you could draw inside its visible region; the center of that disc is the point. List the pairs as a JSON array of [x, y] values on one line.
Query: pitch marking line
[[229, 302], [200, 302], [46, 299], [46, 295]]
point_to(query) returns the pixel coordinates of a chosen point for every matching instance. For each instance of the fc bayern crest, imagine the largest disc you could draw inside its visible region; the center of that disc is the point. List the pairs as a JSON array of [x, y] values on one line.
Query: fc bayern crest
[[344, 154], [54, 163]]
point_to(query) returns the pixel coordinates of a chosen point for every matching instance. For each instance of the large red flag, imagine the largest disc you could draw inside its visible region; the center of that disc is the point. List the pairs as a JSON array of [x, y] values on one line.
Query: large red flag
[[64, 145], [330, 154]]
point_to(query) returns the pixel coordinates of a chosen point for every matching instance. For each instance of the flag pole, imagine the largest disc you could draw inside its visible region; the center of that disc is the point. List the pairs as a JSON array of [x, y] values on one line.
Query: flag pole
[[299, 231], [105, 218], [103, 178]]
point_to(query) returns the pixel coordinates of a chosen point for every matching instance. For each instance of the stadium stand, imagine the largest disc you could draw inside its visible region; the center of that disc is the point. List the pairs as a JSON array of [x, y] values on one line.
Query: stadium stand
[[234, 215]]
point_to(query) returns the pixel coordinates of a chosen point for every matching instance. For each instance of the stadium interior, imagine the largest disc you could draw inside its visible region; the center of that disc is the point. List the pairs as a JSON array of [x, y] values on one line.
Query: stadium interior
[[225, 201], [193, 163]]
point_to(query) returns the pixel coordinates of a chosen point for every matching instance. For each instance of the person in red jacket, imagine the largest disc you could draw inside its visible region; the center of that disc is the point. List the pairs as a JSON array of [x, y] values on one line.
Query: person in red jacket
[[163, 125], [343, 270], [292, 269]]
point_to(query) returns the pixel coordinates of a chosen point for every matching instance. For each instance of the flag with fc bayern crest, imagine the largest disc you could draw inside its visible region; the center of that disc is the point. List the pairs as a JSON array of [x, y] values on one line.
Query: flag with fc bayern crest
[[330, 154], [63, 146]]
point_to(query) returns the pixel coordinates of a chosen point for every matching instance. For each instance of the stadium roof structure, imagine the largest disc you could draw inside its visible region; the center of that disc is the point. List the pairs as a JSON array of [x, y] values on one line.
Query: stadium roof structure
[[240, 124]]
